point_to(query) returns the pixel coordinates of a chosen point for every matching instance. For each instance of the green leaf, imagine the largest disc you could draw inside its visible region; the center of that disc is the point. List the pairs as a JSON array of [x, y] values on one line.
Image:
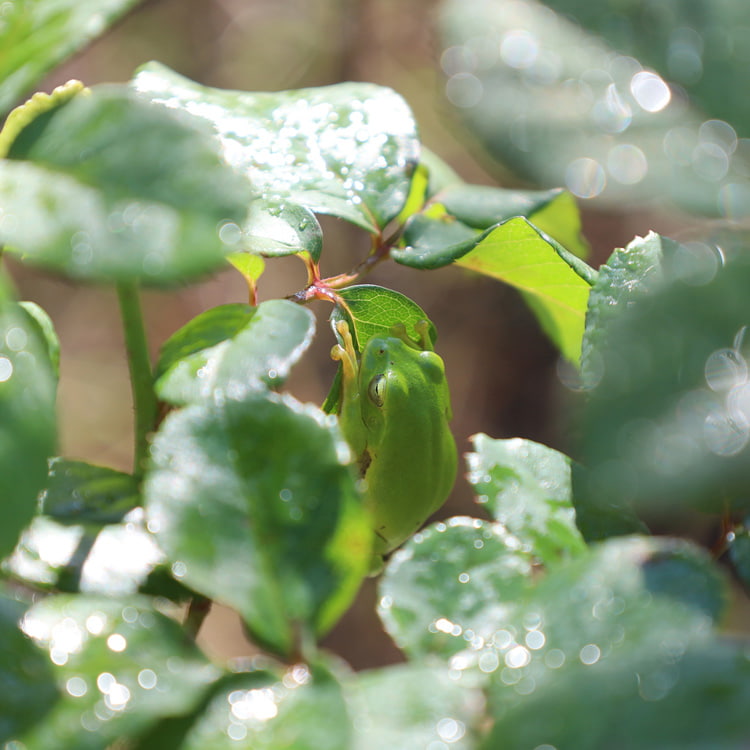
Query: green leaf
[[413, 706], [276, 228], [560, 107], [27, 416], [370, 311], [117, 559], [465, 589], [554, 283], [119, 665], [708, 67], [111, 188], [39, 104], [481, 570], [628, 274], [597, 516], [78, 492], [36, 36], [664, 696], [46, 328], [553, 211], [303, 708], [527, 488], [251, 497], [29, 690], [739, 554], [233, 346], [346, 150], [668, 423], [373, 310]]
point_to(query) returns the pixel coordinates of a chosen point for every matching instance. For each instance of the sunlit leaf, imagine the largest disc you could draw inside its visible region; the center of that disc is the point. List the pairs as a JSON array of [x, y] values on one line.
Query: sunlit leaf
[[560, 107], [347, 150], [119, 665], [411, 706], [482, 570], [27, 416], [276, 228], [78, 492], [36, 35], [303, 708], [233, 345], [252, 498], [668, 423], [370, 311], [552, 211], [479, 603], [527, 488], [109, 187], [29, 689]]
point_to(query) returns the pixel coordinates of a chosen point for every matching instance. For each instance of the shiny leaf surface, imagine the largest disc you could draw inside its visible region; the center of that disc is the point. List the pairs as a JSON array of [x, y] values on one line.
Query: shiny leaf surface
[[667, 424], [466, 589], [410, 706], [119, 665], [347, 150], [482, 570], [554, 283], [29, 689], [303, 708], [36, 35], [527, 488], [111, 188], [78, 492], [27, 416], [253, 500], [113, 560], [560, 107], [233, 346]]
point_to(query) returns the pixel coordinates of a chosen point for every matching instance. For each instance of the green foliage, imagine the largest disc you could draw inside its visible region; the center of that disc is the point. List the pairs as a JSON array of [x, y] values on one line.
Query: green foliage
[[556, 620]]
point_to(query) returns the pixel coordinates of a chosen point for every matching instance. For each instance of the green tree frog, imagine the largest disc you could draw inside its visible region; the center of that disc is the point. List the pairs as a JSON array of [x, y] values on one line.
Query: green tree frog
[[394, 412]]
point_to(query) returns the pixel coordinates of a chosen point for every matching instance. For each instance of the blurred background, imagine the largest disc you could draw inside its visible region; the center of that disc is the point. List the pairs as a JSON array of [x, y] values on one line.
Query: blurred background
[[619, 102]]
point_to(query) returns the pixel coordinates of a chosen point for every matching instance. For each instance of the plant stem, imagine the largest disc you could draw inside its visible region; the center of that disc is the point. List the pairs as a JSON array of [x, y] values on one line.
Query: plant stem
[[144, 398]]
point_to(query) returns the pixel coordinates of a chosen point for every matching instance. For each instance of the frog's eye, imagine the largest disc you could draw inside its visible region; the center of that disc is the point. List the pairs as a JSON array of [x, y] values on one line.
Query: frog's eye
[[376, 390]]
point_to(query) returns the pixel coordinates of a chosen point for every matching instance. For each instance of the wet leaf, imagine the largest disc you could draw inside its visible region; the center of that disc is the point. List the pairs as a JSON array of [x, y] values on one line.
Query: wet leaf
[[481, 569], [276, 228], [78, 492], [411, 706], [46, 328], [706, 66], [303, 708], [447, 595], [629, 273], [668, 423], [346, 150], [29, 690], [664, 695], [111, 188], [119, 665], [35, 37], [27, 416], [253, 500], [739, 553], [597, 516], [552, 211], [527, 488], [116, 559], [233, 346], [560, 107]]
